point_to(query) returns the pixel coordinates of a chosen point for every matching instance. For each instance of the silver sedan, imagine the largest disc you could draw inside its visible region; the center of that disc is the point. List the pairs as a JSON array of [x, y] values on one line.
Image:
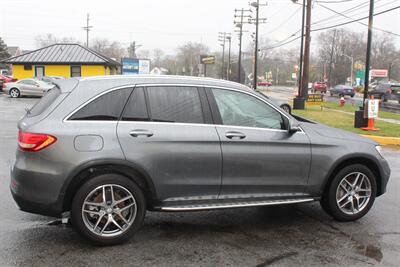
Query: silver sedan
[[31, 87]]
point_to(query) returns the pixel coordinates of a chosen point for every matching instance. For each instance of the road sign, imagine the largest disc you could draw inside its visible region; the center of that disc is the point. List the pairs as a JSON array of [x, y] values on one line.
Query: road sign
[[207, 59], [376, 73], [315, 99], [373, 108]]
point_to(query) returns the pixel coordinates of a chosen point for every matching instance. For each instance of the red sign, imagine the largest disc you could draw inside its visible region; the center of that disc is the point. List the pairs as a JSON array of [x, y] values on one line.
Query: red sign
[[375, 73]]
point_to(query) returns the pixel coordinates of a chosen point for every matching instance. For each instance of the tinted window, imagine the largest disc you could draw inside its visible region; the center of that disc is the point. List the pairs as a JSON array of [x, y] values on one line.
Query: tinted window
[[44, 102], [135, 109], [29, 82], [106, 107], [175, 104], [241, 109]]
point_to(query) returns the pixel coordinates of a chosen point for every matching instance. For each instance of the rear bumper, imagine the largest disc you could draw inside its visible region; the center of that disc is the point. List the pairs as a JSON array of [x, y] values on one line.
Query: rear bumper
[[29, 192]]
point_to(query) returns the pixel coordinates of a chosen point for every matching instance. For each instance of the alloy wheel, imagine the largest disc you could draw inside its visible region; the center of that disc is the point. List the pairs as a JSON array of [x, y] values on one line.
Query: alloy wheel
[[14, 93], [353, 193], [109, 210]]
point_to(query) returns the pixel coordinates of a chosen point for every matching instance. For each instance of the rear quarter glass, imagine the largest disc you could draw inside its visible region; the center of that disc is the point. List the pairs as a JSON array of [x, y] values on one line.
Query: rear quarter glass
[[44, 103]]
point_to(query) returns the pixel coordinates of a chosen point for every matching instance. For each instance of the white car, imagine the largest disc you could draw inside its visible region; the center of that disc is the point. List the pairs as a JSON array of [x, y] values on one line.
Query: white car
[[31, 87]]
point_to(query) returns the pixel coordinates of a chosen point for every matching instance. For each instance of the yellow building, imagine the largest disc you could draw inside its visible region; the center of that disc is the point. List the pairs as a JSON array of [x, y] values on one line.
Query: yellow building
[[65, 60]]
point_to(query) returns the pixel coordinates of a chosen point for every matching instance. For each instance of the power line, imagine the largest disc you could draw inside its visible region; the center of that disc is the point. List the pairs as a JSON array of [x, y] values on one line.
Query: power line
[[285, 42], [362, 23]]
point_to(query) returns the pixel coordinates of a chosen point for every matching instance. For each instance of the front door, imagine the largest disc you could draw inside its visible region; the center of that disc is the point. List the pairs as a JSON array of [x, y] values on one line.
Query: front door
[[173, 140], [260, 157], [39, 72]]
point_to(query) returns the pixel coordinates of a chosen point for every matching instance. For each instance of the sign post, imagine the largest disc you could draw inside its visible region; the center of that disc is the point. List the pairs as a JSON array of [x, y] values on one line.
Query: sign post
[[371, 112], [314, 99]]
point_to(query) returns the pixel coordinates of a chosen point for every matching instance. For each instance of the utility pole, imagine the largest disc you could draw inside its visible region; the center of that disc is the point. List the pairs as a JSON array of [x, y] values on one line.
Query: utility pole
[[222, 37], [256, 5], [369, 45], [239, 24], [306, 70], [301, 49], [228, 72], [87, 28], [359, 120]]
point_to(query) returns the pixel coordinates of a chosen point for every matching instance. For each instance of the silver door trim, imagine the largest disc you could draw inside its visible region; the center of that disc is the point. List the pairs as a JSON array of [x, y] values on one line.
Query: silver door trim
[[235, 205]]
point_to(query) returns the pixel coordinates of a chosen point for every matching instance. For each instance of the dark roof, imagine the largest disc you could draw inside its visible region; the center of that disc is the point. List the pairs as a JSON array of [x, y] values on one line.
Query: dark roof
[[63, 54]]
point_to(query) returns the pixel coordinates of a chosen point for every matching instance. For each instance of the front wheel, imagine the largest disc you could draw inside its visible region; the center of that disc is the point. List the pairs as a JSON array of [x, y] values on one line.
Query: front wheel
[[15, 93], [350, 194], [108, 209]]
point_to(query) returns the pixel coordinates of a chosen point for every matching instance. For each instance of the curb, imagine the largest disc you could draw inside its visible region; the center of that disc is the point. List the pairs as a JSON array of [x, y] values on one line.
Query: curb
[[385, 141]]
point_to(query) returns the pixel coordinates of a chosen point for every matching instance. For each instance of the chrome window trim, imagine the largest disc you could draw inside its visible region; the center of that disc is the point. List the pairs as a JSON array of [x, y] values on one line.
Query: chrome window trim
[[66, 119]]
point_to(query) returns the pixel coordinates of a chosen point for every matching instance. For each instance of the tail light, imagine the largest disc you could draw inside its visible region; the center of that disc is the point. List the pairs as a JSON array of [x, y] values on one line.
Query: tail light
[[389, 91], [34, 142]]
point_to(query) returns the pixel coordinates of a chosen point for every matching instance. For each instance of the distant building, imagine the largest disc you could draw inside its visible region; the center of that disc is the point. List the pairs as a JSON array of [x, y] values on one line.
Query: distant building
[[65, 60]]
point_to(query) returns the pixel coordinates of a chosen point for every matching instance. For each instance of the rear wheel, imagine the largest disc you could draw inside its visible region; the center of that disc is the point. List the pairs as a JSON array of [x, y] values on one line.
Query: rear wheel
[[350, 194], [14, 93], [286, 108], [108, 209]]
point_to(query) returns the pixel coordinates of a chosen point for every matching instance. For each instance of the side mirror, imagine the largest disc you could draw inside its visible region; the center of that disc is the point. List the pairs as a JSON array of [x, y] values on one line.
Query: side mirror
[[294, 128]]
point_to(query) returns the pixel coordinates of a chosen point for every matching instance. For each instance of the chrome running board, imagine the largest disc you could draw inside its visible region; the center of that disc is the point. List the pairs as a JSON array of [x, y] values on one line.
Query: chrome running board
[[226, 205]]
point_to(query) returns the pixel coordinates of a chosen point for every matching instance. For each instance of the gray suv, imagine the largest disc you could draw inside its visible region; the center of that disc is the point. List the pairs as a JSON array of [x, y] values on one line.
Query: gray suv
[[107, 149]]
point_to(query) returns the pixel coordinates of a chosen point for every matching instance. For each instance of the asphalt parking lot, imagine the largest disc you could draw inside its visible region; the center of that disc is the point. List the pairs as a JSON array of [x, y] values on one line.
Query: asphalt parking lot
[[278, 236]]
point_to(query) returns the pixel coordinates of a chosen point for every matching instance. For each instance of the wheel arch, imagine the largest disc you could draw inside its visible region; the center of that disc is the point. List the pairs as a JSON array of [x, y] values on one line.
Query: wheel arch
[[355, 159], [90, 169]]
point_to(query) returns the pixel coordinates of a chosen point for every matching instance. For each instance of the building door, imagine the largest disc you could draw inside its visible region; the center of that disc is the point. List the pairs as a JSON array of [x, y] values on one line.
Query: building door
[[39, 72]]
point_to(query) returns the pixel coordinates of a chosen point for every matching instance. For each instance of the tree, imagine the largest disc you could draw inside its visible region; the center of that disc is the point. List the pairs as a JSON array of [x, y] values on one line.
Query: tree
[[3, 50], [109, 49], [50, 39], [157, 57], [188, 56]]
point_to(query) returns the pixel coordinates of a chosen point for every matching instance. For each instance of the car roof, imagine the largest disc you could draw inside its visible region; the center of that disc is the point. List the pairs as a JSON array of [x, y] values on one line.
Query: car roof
[[103, 83]]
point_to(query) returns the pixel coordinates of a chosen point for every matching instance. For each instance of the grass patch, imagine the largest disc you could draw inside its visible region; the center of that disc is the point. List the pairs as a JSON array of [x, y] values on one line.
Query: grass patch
[[346, 121], [350, 108]]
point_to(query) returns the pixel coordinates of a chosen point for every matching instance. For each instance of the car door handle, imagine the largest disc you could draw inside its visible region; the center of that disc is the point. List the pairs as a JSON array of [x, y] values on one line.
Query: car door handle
[[141, 132], [235, 135]]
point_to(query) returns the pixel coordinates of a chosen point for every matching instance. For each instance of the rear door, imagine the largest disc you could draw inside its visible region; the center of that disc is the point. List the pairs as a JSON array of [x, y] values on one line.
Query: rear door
[[168, 132], [260, 157]]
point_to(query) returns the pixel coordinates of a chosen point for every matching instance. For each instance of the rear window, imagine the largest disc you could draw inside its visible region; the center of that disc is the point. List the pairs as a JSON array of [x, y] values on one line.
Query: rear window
[[106, 107], [44, 102]]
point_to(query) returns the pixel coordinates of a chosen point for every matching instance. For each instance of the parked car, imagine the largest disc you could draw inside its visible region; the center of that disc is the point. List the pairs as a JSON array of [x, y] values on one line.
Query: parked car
[[264, 83], [5, 79], [386, 91], [31, 87], [342, 90], [320, 87], [112, 147]]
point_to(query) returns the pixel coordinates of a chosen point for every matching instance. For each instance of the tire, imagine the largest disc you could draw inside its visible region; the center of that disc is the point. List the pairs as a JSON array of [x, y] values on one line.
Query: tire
[[286, 108], [335, 193], [331, 93], [352, 96], [14, 93], [341, 95], [97, 218]]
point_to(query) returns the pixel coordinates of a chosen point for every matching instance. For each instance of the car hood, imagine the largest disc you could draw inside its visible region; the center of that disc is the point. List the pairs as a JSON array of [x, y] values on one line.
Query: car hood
[[313, 128]]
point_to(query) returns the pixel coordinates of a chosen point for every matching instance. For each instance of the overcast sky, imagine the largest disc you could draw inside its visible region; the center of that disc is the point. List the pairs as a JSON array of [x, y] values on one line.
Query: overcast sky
[[167, 24]]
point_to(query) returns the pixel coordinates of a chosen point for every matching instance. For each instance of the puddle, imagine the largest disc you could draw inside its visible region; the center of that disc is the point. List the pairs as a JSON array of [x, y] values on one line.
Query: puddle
[[371, 251]]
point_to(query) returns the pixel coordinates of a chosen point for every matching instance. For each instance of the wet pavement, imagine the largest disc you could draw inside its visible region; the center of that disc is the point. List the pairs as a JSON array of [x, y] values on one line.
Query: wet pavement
[[264, 236]]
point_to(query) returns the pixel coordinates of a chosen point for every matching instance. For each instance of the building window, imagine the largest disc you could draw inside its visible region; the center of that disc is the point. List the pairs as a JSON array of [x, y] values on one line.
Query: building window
[[75, 71], [27, 67]]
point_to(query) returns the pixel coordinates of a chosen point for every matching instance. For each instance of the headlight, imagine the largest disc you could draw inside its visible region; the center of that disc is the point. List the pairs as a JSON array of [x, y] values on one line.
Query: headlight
[[379, 149]]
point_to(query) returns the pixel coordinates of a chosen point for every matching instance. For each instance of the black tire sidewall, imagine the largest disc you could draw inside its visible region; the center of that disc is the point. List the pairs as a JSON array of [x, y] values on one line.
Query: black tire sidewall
[[331, 196], [86, 188]]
